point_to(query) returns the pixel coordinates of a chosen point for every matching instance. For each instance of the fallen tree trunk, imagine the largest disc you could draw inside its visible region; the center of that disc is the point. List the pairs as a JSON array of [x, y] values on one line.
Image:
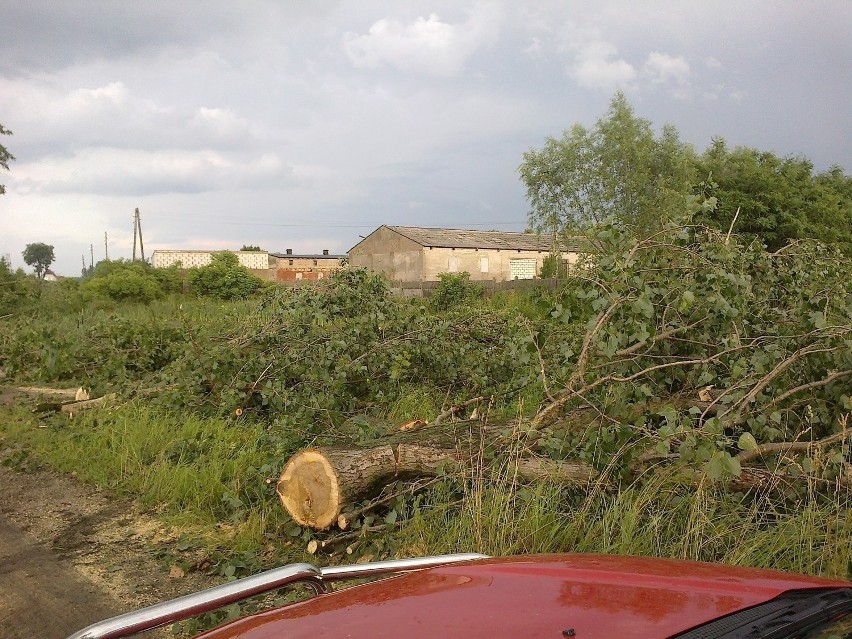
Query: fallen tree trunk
[[69, 393], [87, 404], [317, 484]]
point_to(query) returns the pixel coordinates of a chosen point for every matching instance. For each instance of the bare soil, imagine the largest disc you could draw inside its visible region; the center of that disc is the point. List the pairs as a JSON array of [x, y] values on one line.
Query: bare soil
[[71, 555]]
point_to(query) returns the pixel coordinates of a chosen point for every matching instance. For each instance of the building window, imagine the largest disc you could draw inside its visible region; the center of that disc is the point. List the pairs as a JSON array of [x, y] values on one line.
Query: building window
[[291, 262], [522, 269], [453, 265], [315, 262], [483, 264]]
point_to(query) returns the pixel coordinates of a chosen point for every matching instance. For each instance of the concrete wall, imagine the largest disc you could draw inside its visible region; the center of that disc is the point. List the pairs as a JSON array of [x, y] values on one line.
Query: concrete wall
[[254, 260], [305, 262], [484, 264], [303, 267], [426, 289], [404, 260], [390, 253]]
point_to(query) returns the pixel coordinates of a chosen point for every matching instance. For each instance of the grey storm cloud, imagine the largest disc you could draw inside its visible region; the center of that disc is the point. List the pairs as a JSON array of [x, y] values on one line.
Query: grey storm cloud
[[306, 124]]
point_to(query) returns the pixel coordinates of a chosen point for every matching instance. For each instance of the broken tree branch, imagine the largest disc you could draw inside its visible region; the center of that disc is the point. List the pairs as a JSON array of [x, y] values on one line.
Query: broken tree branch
[[791, 447]]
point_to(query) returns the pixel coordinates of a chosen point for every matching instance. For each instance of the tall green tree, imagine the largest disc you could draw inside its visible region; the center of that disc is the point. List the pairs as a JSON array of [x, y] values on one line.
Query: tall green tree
[[40, 256], [5, 156], [618, 172], [779, 199]]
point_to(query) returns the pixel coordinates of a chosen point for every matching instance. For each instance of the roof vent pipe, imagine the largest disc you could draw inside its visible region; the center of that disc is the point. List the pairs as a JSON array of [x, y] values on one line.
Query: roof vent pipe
[[289, 251], [325, 251]]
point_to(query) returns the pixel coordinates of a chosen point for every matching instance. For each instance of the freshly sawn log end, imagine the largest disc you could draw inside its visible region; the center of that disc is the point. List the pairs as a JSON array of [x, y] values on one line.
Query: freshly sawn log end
[[318, 482], [310, 490]]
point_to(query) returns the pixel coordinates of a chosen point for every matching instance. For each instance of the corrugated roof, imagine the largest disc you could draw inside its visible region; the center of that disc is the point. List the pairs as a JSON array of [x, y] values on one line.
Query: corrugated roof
[[464, 238]]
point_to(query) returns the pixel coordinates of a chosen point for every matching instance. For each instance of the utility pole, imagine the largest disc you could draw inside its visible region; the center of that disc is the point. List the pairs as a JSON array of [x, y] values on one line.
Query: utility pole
[[137, 229], [139, 226], [106, 247], [92, 255]]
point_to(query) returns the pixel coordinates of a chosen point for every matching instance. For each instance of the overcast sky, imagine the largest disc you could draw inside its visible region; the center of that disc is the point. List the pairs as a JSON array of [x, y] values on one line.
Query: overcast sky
[[305, 125]]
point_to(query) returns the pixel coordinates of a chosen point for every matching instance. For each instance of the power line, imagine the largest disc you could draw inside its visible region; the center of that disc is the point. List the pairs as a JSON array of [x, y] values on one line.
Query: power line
[[315, 224]]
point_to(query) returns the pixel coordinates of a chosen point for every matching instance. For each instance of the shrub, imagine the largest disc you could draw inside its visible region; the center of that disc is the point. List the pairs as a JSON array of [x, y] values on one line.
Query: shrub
[[225, 279], [454, 290], [122, 280], [16, 289], [553, 266]]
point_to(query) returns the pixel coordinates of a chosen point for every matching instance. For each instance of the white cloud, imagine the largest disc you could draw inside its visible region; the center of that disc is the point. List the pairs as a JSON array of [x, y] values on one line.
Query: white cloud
[[428, 45], [220, 124], [662, 68], [112, 171], [670, 71], [535, 48], [597, 66], [88, 101]]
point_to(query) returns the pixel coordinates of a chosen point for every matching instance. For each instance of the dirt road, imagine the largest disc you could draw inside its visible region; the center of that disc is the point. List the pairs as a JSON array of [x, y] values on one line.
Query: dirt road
[[70, 556], [41, 595]]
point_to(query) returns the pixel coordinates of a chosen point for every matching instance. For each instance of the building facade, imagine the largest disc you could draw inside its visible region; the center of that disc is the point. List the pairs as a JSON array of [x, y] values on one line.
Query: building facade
[[416, 254], [288, 266], [253, 260]]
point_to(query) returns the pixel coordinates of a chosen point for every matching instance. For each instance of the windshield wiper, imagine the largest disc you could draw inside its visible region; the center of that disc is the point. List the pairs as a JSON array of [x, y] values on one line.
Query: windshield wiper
[[784, 617]]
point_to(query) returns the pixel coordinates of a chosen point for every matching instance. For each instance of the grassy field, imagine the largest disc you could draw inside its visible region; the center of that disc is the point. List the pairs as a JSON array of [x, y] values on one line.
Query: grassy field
[[213, 482], [670, 362]]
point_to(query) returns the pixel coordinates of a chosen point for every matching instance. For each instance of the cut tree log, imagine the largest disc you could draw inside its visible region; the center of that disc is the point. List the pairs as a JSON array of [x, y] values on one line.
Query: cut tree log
[[318, 484], [40, 390], [88, 404]]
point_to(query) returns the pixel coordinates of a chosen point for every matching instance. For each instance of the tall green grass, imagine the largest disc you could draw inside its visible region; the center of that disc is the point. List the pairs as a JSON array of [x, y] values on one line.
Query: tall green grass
[[654, 516], [194, 472], [215, 481]]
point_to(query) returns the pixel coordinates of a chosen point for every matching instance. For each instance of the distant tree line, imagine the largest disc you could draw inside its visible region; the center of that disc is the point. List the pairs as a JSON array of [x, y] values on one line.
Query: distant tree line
[[620, 172]]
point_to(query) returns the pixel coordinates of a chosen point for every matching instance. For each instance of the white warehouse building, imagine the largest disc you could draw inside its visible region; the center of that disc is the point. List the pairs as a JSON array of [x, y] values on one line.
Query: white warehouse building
[[254, 260]]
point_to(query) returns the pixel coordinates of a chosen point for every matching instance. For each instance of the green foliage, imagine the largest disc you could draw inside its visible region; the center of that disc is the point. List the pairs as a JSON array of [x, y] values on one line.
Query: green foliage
[[225, 279], [310, 357], [661, 319], [247, 247], [779, 199], [553, 266], [122, 280], [617, 172], [195, 471], [17, 289], [107, 350], [455, 289], [5, 156], [654, 516], [628, 352], [40, 256]]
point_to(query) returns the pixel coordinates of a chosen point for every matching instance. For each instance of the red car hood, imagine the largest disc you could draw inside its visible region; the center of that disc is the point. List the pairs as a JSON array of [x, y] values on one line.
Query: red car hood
[[594, 595]]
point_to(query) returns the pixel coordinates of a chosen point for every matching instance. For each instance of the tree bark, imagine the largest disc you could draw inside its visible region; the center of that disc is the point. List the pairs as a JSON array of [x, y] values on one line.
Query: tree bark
[[318, 484], [87, 404]]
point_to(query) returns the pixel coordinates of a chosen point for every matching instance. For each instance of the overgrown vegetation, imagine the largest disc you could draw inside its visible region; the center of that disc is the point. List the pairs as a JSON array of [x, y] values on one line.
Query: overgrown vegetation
[[134, 281], [705, 379], [225, 278], [620, 172], [455, 289], [683, 349]]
